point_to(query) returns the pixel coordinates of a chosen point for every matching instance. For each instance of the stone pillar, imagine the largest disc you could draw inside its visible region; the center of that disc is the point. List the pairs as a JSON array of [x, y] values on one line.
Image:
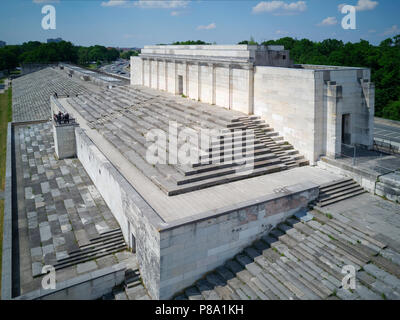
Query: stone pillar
[[64, 140], [251, 91], [369, 96], [187, 79], [158, 74], [143, 60], [230, 86], [198, 81], [334, 120], [149, 73], [166, 74], [176, 77], [214, 89]]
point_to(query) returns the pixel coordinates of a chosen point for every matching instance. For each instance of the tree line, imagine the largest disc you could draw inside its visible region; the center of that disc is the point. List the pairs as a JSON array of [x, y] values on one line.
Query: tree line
[[382, 59], [12, 56]]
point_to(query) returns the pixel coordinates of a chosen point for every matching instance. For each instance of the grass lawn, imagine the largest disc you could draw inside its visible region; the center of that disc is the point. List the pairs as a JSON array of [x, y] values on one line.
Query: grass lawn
[[92, 66], [5, 117]]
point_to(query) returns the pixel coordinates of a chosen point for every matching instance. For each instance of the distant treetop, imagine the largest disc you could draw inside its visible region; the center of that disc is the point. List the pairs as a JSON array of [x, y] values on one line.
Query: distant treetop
[[190, 42]]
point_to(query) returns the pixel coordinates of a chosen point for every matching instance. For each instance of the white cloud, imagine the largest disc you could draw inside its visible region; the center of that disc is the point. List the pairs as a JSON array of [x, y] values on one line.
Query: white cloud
[[280, 7], [114, 3], [147, 4], [392, 30], [281, 32], [330, 21], [175, 13], [166, 4], [365, 5], [208, 27], [46, 1], [362, 5]]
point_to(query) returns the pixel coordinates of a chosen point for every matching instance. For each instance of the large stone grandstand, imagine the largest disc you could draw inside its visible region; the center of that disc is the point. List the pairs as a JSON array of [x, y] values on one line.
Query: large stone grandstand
[[83, 193]]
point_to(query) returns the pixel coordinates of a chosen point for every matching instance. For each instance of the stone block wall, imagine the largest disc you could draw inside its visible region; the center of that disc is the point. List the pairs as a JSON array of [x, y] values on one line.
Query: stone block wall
[[64, 140], [305, 105], [285, 98], [90, 286], [133, 214], [190, 249]]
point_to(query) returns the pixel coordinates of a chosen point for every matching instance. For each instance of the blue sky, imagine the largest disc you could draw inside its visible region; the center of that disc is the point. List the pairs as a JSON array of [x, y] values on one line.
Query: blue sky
[[128, 23]]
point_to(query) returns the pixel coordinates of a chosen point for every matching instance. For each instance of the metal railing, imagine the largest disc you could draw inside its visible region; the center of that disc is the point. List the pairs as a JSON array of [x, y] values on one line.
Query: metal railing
[[355, 154]]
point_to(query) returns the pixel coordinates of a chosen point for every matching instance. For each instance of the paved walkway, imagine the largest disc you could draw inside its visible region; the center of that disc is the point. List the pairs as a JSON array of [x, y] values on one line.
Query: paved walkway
[[59, 208]]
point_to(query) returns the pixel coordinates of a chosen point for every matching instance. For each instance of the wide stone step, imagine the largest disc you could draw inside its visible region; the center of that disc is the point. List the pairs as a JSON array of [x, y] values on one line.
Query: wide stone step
[[175, 190], [233, 151], [89, 252], [231, 157], [227, 171], [338, 199], [97, 247], [338, 186], [189, 171], [334, 184], [92, 257], [340, 191]]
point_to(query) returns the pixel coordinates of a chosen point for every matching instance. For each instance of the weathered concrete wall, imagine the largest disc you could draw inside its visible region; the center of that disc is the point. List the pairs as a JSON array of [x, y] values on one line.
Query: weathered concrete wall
[[90, 286], [64, 140], [305, 105], [388, 186], [189, 249], [133, 214], [367, 180], [285, 98]]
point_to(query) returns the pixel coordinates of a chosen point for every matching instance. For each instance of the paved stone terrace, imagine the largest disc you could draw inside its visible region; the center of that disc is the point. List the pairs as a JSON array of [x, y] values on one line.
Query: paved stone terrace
[[60, 212], [31, 93], [125, 115], [303, 259]]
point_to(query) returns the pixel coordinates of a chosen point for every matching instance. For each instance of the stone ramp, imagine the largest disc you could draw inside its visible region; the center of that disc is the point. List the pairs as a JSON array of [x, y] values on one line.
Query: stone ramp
[[237, 146], [302, 260]]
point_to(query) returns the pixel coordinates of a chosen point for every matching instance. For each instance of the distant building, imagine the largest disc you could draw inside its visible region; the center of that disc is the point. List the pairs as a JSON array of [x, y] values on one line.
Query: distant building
[[2, 44], [56, 40]]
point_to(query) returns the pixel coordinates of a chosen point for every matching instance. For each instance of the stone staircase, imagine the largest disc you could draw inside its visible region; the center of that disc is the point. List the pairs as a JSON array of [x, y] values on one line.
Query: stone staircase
[[107, 243], [124, 115], [132, 288], [337, 191], [302, 260]]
